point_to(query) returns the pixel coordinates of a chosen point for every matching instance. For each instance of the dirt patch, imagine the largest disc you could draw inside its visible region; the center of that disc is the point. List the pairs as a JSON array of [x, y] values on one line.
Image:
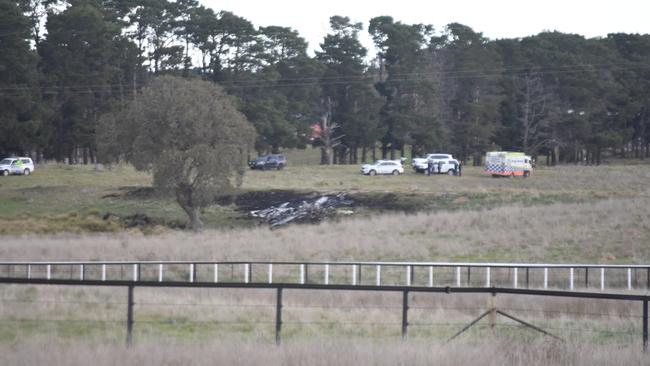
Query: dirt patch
[[142, 221]]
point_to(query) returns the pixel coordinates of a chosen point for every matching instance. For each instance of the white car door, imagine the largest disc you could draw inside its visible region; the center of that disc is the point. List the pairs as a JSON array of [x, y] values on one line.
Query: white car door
[[383, 168], [446, 166], [14, 169]]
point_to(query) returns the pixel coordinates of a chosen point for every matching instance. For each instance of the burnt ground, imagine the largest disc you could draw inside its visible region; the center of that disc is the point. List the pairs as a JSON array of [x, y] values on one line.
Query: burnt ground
[[256, 200], [360, 203]]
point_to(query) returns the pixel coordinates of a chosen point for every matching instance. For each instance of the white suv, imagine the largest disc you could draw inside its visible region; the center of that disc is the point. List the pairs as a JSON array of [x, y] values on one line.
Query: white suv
[[393, 167], [18, 166], [442, 164]]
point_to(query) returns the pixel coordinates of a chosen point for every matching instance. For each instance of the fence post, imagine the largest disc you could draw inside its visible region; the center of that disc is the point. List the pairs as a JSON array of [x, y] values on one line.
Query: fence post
[[160, 272], [514, 280], [602, 279], [629, 278], [278, 316], [405, 308], [545, 278], [270, 272], [378, 270], [457, 276], [645, 325], [571, 279], [430, 276], [129, 318], [527, 277], [487, 276], [327, 274], [408, 275], [302, 274]]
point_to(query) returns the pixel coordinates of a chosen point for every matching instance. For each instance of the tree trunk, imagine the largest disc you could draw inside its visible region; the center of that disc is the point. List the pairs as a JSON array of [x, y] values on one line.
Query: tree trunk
[[184, 199], [364, 152]]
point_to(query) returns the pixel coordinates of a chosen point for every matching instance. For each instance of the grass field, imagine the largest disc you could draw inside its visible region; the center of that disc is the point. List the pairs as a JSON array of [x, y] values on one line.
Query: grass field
[[78, 199], [561, 214]]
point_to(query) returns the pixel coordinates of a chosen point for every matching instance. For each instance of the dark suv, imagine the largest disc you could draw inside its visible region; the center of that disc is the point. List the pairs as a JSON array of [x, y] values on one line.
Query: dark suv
[[264, 162]]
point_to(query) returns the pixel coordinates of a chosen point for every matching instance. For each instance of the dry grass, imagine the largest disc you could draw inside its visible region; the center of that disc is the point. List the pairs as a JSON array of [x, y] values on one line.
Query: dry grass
[[320, 352], [605, 219], [199, 326], [607, 231]]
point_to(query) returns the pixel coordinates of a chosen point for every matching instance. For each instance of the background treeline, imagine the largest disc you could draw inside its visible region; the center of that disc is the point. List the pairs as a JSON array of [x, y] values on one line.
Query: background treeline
[[64, 64]]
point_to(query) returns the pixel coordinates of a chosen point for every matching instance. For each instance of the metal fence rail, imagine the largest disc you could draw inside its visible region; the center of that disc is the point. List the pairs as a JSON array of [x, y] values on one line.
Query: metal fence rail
[[430, 274], [130, 285]]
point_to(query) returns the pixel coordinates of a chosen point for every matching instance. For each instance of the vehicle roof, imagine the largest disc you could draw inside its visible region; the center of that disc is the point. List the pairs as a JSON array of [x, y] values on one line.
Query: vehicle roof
[[386, 161]]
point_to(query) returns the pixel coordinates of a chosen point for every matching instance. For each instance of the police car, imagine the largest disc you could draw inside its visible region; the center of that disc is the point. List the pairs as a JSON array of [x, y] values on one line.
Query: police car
[[16, 166]]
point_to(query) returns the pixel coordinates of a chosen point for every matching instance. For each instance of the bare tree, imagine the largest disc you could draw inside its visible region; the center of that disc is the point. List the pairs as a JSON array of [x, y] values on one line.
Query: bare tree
[[327, 135], [532, 112]]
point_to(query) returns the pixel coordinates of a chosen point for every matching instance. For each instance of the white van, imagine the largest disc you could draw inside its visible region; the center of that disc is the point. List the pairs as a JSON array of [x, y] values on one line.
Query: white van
[[16, 166]]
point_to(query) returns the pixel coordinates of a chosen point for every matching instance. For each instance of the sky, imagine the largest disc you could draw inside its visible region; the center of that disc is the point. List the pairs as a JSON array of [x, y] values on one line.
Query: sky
[[494, 18]]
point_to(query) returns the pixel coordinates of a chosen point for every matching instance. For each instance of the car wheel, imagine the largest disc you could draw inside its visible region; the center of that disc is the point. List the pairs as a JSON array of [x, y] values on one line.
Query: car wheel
[[280, 166], [26, 172], [5, 173], [451, 172], [526, 174], [372, 173], [512, 175], [396, 172]]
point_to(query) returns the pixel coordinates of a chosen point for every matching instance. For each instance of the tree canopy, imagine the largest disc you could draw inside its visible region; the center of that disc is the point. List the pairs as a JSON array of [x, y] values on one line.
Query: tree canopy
[[64, 63], [190, 135]]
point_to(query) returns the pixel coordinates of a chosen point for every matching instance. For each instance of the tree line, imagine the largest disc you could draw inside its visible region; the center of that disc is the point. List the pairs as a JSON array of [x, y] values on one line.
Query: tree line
[[64, 64]]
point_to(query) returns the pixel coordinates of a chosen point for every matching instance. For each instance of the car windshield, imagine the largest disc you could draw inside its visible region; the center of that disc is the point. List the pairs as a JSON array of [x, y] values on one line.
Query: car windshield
[[6, 161]]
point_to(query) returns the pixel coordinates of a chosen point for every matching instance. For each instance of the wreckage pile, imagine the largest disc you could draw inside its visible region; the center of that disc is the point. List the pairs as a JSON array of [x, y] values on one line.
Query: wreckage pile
[[311, 211]]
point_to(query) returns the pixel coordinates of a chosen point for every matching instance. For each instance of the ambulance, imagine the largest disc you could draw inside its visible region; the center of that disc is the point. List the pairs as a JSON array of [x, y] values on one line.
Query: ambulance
[[508, 164]]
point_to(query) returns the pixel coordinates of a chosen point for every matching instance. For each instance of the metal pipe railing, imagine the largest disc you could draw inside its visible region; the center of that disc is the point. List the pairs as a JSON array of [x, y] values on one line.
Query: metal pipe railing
[[557, 275]]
